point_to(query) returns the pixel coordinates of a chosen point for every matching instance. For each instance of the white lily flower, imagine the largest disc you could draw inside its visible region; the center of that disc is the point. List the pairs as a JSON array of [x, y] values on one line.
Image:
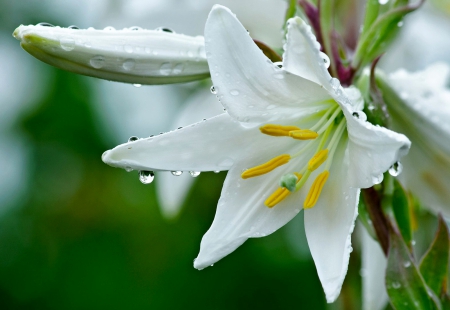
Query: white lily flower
[[424, 114], [131, 55], [268, 111]]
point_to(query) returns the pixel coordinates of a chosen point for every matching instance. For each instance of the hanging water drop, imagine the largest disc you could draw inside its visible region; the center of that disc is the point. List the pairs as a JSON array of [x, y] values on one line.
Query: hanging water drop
[[194, 174], [396, 169], [45, 25], [73, 27], [128, 169], [216, 171], [279, 64], [360, 115], [137, 85], [377, 179], [213, 90], [326, 60], [146, 177], [133, 138], [177, 173]]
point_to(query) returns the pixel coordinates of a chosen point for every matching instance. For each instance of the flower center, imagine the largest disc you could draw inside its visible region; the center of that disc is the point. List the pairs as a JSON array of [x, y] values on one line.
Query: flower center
[[324, 135]]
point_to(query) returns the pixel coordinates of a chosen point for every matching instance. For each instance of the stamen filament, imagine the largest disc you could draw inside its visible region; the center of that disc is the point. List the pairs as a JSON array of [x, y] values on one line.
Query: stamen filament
[[303, 134], [330, 120], [277, 130], [266, 167], [315, 190], [334, 142], [324, 118]]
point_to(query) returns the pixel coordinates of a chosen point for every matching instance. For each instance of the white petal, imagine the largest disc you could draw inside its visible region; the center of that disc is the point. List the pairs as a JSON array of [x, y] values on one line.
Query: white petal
[[372, 272], [329, 225], [172, 190], [241, 213], [302, 54], [424, 116], [372, 150], [131, 56], [211, 145], [250, 86]]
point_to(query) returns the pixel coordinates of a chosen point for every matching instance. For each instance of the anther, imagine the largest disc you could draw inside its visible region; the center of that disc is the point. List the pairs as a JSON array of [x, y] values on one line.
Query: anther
[[317, 160], [266, 167], [280, 194], [303, 134], [315, 190], [277, 130]]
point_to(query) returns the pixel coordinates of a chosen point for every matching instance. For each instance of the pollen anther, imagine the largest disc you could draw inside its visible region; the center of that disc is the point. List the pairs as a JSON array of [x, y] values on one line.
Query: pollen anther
[[303, 134], [317, 160], [315, 190], [277, 130], [266, 167]]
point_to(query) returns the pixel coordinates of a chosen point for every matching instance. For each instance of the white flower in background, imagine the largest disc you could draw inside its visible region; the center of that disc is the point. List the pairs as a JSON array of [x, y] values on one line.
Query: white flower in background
[[424, 115], [296, 124]]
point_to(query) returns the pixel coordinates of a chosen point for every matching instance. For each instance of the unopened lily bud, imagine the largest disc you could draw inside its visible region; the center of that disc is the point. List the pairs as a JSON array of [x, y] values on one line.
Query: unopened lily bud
[[130, 55]]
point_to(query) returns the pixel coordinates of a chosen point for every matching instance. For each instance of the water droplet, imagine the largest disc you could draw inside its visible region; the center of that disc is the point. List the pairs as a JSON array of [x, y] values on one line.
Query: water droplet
[[133, 138], [400, 23], [396, 169], [326, 60], [279, 64], [97, 61], [165, 68], [377, 179], [216, 171], [45, 25], [234, 92], [128, 48], [194, 174], [67, 44], [73, 27], [128, 169], [178, 69], [213, 90], [360, 115], [146, 177], [165, 29], [128, 64], [137, 85], [396, 285], [135, 28], [177, 173], [413, 242], [407, 264], [109, 28], [335, 83]]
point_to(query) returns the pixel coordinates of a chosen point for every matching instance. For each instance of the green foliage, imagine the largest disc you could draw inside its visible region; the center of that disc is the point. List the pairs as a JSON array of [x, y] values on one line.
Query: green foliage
[[400, 206]]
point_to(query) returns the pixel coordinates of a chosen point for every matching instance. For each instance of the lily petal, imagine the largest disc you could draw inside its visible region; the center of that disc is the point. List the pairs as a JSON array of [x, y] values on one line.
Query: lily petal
[[130, 56], [211, 145], [373, 263], [329, 226], [252, 88], [372, 150]]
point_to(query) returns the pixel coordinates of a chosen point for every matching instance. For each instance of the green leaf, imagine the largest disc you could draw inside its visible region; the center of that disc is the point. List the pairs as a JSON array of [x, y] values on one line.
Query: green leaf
[[400, 206], [434, 265], [405, 286], [364, 218]]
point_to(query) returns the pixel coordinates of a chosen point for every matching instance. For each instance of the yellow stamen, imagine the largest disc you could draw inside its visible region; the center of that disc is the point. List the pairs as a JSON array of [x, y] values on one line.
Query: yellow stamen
[[279, 194], [317, 160], [266, 167], [303, 134], [315, 190], [277, 130]]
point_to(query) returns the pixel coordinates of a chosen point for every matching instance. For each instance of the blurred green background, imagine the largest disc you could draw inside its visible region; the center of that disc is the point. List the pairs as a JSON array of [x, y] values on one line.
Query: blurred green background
[[78, 234]]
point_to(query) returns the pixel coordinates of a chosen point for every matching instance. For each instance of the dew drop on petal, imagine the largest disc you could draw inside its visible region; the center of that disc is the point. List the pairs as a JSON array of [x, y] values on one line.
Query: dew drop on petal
[[335, 83], [146, 177], [165, 68], [279, 64], [128, 169], [128, 64], [133, 138], [177, 173], [213, 90], [216, 171], [194, 174], [67, 44], [326, 60], [73, 27], [360, 115], [377, 179], [97, 61], [234, 92], [45, 25], [396, 169], [178, 69], [400, 23], [135, 28], [165, 29]]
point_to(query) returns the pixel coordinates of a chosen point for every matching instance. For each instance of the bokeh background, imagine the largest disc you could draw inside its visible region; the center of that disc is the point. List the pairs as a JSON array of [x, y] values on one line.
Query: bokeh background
[[77, 234]]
